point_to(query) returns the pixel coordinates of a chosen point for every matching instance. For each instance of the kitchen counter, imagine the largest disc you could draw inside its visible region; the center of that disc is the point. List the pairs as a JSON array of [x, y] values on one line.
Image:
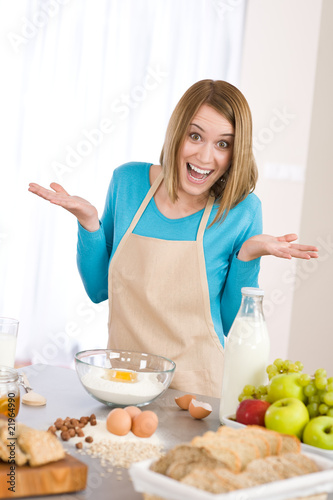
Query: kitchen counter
[[67, 397]]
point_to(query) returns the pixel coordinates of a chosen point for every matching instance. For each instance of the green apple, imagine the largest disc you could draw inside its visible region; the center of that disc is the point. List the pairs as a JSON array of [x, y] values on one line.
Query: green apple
[[285, 385], [319, 432], [288, 416]]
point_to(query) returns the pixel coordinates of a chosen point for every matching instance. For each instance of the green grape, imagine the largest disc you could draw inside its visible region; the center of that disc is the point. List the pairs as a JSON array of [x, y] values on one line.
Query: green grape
[[330, 380], [304, 379], [321, 395], [278, 363], [320, 383], [323, 409], [330, 412], [241, 397], [264, 397], [328, 398], [249, 390], [329, 386], [310, 390], [262, 390], [286, 364], [299, 365], [320, 372], [271, 371], [313, 410], [293, 368], [314, 399]]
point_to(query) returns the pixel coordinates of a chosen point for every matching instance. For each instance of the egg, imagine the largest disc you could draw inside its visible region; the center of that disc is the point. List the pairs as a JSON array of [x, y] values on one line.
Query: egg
[[119, 422], [145, 424], [132, 411], [184, 401], [198, 409]]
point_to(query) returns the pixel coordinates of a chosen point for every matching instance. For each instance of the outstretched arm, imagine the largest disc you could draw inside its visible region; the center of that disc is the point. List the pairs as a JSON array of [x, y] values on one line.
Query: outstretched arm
[[84, 211], [281, 246]]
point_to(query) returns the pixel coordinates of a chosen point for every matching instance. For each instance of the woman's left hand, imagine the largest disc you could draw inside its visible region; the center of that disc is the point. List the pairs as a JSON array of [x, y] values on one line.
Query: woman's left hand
[[281, 246]]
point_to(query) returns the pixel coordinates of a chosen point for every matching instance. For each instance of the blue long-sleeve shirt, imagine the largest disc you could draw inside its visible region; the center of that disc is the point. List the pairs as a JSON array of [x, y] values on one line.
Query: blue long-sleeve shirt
[[226, 274]]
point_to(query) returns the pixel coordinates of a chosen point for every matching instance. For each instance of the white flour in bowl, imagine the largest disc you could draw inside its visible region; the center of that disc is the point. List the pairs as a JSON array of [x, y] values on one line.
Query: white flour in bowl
[[146, 387]]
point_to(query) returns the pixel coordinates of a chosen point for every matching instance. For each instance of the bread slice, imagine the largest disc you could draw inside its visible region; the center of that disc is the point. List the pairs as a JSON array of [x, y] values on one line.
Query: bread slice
[[235, 481], [245, 451], [179, 469], [290, 444], [263, 471], [206, 479], [273, 438], [256, 439], [183, 453], [307, 464]]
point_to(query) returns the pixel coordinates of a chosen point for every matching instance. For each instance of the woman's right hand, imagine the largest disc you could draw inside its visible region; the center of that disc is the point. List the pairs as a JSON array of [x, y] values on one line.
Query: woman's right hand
[[85, 213]]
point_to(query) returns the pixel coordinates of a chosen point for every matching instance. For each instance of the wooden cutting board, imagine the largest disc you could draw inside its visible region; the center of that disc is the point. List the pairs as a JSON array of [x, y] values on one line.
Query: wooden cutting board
[[65, 476]]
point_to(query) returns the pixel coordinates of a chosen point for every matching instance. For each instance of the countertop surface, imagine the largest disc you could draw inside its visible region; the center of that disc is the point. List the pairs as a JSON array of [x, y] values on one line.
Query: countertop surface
[[67, 397]]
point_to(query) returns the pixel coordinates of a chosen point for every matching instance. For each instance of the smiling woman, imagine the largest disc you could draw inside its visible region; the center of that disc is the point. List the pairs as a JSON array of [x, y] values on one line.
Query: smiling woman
[[178, 241]]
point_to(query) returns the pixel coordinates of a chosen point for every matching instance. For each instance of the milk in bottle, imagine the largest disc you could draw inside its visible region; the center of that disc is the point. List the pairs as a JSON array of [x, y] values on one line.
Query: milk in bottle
[[246, 353]]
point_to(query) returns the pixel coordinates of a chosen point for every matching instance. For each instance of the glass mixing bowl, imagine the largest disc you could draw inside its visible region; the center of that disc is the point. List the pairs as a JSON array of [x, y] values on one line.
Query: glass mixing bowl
[[124, 378]]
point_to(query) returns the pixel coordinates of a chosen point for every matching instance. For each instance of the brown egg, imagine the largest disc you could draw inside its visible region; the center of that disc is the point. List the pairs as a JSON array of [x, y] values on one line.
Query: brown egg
[[184, 401], [133, 411], [199, 410], [118, 422], [145, 424]]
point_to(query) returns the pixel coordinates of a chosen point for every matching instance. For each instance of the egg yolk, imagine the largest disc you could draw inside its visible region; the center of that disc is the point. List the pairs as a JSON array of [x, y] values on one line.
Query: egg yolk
[[121, 376]]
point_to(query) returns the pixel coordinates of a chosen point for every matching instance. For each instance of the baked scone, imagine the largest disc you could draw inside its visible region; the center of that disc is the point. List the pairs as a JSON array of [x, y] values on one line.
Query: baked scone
[[6, 443], [41, 447]]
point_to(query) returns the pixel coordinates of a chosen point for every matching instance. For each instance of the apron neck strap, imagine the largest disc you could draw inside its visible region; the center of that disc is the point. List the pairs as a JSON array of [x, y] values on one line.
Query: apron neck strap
[[150, 194], [146, 200], [205, 217]]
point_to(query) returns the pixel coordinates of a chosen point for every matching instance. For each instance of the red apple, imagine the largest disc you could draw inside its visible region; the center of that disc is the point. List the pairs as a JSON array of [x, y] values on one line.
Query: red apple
[[252, 412]]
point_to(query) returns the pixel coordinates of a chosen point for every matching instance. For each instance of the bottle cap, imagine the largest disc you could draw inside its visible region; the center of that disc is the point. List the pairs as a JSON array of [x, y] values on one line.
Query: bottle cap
[[252, 291]]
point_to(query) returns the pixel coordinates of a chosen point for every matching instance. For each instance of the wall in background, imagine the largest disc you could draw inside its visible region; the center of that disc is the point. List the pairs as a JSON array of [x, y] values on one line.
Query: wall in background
[[311, 336], [284, 77]]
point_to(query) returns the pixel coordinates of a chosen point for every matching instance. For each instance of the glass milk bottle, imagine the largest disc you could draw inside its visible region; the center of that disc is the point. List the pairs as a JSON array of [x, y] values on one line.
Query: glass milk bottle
[[246, 352]]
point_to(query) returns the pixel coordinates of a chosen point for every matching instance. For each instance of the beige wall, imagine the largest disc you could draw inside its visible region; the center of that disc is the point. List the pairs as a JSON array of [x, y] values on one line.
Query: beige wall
[[281, 80], [311, 336]]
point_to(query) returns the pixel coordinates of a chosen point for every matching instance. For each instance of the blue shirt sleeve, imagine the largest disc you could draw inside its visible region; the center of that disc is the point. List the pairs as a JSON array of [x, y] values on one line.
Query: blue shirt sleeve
[[93, 253], [240, 274]]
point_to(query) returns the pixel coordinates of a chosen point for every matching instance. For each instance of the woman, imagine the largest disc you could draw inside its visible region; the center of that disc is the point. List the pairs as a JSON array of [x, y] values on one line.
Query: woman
[[178, 240]]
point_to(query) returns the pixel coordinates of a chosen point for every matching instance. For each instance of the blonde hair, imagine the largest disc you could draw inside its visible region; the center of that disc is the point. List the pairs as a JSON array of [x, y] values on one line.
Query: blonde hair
[[241, 177]]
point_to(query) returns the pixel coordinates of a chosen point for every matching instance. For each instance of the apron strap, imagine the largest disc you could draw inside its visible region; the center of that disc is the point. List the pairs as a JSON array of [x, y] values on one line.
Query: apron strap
[[145, 202], [205, 217]]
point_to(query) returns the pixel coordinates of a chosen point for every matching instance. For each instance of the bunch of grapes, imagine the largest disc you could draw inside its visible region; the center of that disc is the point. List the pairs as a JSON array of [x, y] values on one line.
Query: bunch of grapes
[[252, 392], [280, 366], [319, 392]]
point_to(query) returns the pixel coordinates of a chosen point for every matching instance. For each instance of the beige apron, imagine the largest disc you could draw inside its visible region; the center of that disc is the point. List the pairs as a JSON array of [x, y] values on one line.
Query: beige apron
[[159, 303]]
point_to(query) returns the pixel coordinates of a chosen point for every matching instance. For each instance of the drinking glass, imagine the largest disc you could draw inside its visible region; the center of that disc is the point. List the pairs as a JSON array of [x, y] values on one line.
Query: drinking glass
[[8, 337]]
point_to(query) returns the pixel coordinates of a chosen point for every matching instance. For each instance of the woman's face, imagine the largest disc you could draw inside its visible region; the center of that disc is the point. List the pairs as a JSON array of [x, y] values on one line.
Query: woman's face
[[206, 152]]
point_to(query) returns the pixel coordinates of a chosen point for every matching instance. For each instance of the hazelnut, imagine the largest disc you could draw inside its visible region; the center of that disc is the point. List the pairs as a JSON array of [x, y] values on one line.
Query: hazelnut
[[79, 446], [80, 433], [52, 429], [64, 428], [89, 439], [65, 435], [93, 422], [92, 417], [71, 432], [58, 424]]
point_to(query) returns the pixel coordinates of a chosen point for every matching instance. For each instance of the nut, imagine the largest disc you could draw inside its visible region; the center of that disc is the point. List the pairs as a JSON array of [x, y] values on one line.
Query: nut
[[65, 435], [79, 446], [89, 439], [93, 422], [71, 432]]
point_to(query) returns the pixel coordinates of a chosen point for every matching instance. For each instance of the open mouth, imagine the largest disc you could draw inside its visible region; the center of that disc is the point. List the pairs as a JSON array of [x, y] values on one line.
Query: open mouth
[[197, 174]]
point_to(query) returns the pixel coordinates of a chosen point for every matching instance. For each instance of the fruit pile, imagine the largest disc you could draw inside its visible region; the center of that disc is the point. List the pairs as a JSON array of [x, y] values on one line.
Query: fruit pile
[[292, 403]]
